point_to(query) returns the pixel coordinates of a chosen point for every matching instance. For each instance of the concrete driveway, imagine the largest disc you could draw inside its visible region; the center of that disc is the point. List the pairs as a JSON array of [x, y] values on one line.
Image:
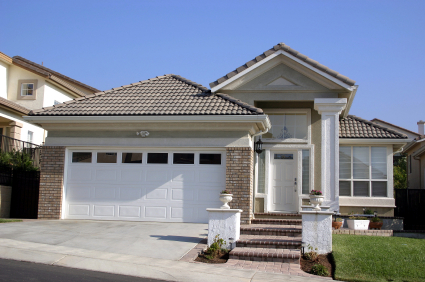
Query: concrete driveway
[[145, 239]]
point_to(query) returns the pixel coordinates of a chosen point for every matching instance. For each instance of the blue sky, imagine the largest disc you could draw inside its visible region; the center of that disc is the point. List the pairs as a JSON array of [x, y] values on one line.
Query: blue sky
[[106, 44]]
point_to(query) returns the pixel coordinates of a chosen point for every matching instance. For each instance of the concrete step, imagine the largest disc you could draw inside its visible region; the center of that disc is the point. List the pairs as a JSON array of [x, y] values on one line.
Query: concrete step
[[272, 242], [266, 254], [274, 215], [272, 230], [275, 221]]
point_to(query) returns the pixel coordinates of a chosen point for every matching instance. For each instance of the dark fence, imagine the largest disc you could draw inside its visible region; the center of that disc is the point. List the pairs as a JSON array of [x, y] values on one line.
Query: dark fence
[[8, 144], [410, 204], [5, 175], [25, 188]]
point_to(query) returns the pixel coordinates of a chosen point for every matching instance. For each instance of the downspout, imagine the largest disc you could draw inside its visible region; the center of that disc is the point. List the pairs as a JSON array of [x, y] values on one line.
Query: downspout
[[256, 179]]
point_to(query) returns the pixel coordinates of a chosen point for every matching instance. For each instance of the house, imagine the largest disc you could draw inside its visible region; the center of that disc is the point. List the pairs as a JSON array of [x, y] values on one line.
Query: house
[[24, 86], [415, 151], [162, 149]]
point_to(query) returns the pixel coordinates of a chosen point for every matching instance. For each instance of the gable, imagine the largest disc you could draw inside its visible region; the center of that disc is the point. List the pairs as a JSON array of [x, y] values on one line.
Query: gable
[[280, 78]]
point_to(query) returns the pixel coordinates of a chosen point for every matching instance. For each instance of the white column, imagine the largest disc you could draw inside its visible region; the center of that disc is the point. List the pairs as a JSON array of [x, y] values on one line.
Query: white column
[[329, 109], [226, 223], [317, 230]]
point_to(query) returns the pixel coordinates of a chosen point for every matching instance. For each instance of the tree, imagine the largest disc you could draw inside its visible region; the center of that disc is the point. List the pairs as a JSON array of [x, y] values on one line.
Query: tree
[[400, 173]]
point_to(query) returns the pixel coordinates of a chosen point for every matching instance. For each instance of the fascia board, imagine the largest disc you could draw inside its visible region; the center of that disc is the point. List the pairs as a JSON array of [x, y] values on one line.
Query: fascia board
[[350, 101], [264, 119], [277, 53], [371, 141]]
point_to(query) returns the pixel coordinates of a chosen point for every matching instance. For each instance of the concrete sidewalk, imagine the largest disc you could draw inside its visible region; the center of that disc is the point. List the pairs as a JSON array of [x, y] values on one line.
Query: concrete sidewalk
[[133, 265]]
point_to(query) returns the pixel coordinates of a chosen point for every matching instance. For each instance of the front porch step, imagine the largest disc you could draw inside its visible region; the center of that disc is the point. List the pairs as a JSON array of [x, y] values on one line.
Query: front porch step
[[274, 221], [272, 230], [266, 254], [272, 242], [274, 215]]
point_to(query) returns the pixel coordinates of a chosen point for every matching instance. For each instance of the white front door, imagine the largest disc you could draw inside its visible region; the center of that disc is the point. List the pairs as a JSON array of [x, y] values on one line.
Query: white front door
[[284, 181]]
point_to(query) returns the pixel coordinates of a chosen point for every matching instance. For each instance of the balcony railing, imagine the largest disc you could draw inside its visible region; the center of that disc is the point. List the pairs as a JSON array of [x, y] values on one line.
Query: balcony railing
[[9, 144]]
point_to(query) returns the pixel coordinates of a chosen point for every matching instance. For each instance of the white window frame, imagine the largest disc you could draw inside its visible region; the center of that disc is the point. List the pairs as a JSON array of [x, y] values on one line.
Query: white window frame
[[291, 111], [389, 179], [21, 83], [30, 133]]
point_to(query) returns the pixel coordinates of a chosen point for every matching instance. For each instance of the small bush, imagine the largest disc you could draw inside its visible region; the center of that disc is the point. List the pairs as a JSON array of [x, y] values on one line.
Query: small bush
[[17, 161], [215, 248], [376, 219], [339, 219], [368, 211], [319, 269], [311, 254], [358, 217]]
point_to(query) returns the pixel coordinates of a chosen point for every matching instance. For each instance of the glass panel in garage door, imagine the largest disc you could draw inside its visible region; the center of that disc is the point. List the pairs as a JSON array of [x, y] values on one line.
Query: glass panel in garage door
[[132, 158], [81, 157], [157, 158], [210, 159], [106, 158], [183, 158]]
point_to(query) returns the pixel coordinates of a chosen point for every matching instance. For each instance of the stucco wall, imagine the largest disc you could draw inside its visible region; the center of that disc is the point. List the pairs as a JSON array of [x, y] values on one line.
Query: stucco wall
[[3, 79], [52, 93], [416, 168]]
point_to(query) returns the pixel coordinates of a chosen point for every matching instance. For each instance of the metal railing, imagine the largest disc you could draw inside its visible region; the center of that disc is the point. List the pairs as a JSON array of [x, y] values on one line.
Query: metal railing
[[9, 144]]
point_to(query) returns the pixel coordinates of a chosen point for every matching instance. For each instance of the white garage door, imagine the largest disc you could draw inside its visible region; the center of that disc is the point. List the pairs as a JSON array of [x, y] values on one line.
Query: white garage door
[[173, 186]]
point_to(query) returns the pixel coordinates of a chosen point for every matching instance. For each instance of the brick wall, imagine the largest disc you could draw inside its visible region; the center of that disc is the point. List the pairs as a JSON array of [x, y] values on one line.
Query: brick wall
[[51, 182], [239, 179]]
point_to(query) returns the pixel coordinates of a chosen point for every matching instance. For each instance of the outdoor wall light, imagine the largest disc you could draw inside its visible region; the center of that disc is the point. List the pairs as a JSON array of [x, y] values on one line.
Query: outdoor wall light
[[258, 146]]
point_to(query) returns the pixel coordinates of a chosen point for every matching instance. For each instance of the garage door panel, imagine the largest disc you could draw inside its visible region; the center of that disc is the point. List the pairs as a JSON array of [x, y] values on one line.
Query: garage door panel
[[132, 193], [104, 210], [143, 191], [106, 175], [131, 175], [129, 211], [157, 212], [80, 174], [79, 192], [104, 192]]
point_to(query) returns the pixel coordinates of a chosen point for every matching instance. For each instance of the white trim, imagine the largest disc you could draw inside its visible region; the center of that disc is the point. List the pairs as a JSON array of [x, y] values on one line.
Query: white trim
[[277, 53], [365, 141], [177, 118]]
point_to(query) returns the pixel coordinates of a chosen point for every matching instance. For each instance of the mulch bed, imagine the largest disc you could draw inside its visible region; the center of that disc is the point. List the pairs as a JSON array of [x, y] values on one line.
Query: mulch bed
[[326, 260], [222, 257]]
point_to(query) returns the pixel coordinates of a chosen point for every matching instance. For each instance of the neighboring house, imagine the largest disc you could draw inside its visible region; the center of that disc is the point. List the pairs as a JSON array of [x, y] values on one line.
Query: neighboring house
[[164, 148], [24, 86], [415, 151]]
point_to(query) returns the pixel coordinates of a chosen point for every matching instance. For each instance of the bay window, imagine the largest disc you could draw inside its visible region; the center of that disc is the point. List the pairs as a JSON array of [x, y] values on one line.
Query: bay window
[[363, 171]]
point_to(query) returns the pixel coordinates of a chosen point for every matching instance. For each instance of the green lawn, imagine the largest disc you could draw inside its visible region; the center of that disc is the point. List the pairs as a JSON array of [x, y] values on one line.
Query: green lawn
[[374, 258], [4, 220]]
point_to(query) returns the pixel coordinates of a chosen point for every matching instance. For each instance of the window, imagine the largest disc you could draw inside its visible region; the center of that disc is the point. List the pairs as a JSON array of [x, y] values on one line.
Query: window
[[106, 158], [210, 159], [289, 125], [30, 136], [55, 102], [157, 158], [363, 171], [306, 171], [261, 188], [283, 156], [132, 158], [183, 158], [27, 89], [81, 157]]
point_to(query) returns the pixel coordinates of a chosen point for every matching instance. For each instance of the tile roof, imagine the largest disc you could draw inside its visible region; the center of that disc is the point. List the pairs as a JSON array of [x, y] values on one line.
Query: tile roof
[[286, 48], [14, 106], [355, 127], [164, 95], [46, 72], [382, 121]]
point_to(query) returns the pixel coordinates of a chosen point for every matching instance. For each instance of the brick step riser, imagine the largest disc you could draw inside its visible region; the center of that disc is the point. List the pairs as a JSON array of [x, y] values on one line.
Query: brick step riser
[[249, 258], [270, 246], [277, 217], [272, 233], [275, 222]]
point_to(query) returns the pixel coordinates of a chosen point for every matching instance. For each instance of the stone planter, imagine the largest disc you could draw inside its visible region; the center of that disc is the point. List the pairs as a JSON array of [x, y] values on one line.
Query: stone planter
[[336, 224], [316, 201], [358, 224], [226, 199], [376, 225]]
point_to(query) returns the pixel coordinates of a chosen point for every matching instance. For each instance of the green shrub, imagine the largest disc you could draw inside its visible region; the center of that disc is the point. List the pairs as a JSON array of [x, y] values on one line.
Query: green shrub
[[368, 211], [358, 217], [319, 269], [17, 160], [339, 219], [376, 219], [311, 254], [215, 248]]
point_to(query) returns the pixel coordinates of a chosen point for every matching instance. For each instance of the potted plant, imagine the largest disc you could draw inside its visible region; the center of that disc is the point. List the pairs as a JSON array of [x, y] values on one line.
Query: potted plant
[[358, 223], [337, 223], [316, 199], [225, 197], [375, 223]]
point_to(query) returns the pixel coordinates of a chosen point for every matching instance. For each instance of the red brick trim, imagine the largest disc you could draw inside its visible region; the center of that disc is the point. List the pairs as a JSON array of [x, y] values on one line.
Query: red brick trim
[[51, 182], [239, 179]]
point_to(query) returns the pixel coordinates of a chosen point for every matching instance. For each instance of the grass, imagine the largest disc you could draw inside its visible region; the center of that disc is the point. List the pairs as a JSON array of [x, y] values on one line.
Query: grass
[[374, 258], [5, 220]]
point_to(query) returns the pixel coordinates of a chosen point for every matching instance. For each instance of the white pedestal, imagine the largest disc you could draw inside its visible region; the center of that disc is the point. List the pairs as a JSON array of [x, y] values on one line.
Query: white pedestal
[[226, 223], [317, 230]]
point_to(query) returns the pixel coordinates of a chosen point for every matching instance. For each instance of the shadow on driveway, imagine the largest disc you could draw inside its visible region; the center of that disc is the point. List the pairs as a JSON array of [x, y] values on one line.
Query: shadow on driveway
[[179, 238]]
